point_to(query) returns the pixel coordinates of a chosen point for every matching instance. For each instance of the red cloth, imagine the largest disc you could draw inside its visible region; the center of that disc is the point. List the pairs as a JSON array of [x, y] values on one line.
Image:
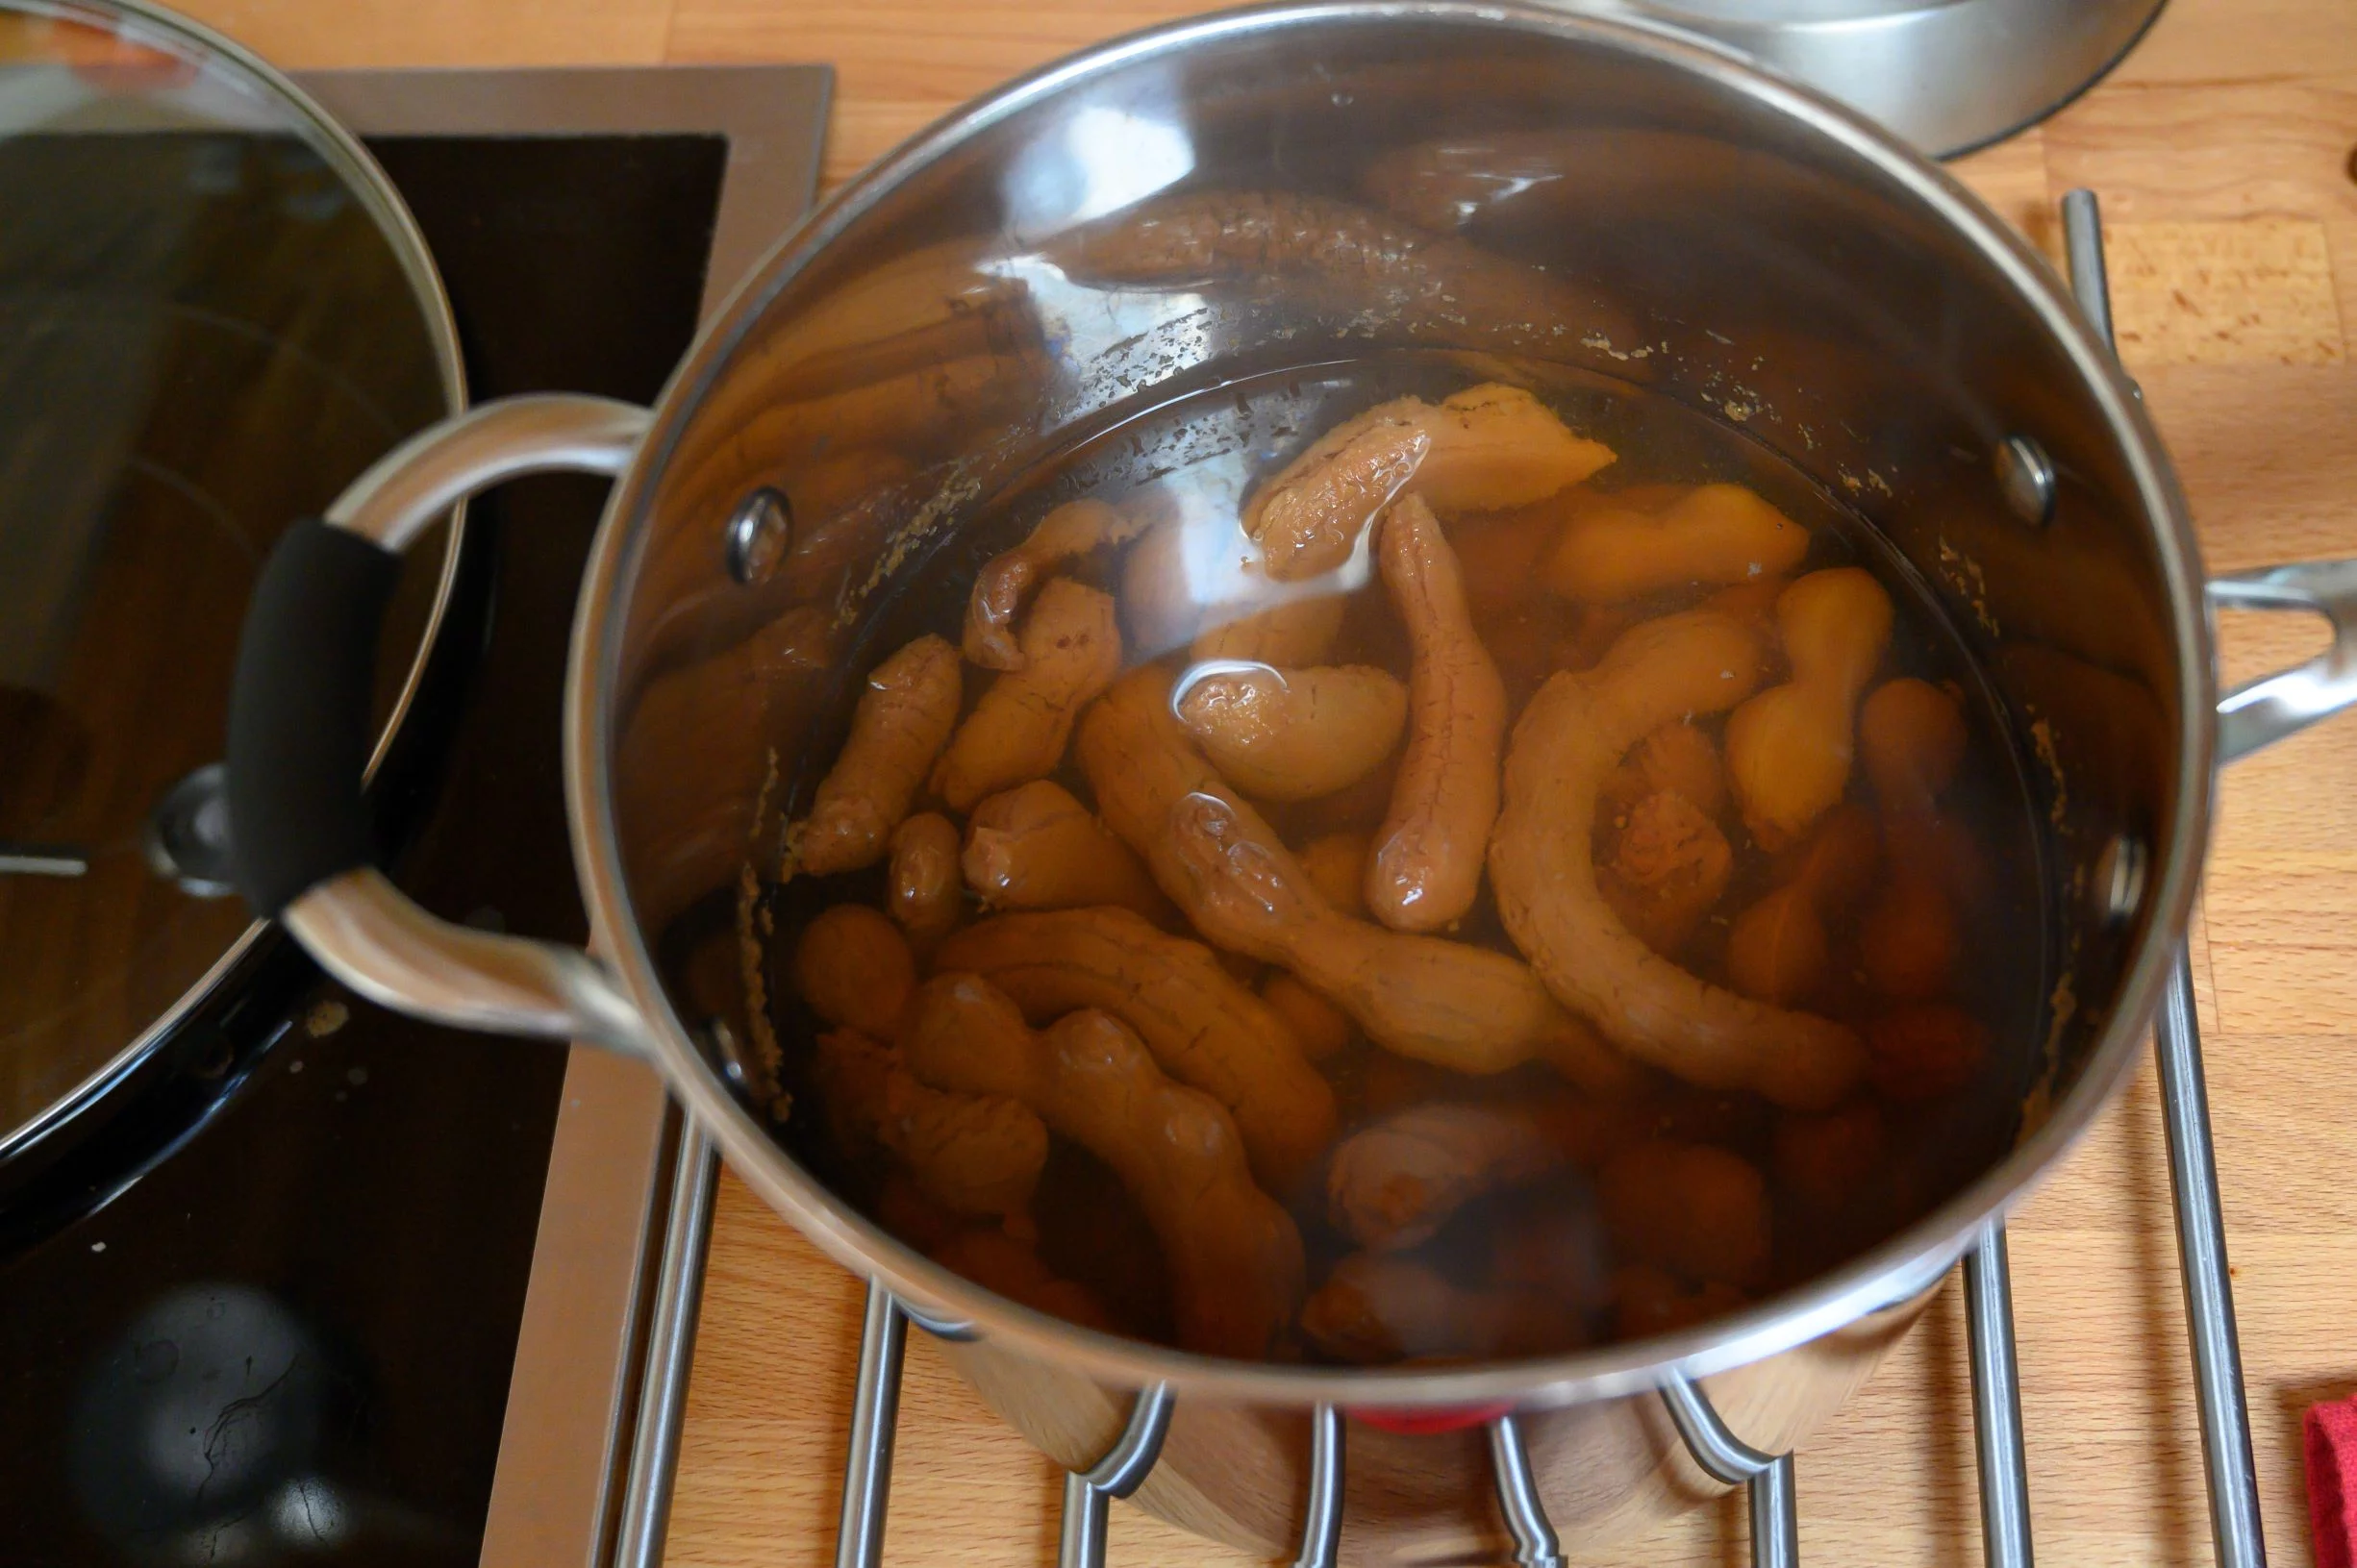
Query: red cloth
[[2331, 1431]]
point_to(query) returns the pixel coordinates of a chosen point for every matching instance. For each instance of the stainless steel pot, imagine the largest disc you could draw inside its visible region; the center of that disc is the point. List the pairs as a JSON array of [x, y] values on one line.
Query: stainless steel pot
[[1626, 203]]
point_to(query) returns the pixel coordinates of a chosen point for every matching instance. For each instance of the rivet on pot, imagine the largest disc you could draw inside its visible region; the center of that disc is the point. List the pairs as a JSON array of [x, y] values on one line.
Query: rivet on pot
[[2119, 879], [2025, 477], [759, 531], [734, 1060]]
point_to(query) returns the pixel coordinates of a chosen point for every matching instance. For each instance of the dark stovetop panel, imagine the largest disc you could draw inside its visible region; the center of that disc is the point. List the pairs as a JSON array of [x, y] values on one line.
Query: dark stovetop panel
[[290, 1340]]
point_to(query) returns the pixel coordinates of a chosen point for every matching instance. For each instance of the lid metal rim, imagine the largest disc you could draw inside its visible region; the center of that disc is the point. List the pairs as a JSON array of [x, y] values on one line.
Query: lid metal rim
[[367, 180]]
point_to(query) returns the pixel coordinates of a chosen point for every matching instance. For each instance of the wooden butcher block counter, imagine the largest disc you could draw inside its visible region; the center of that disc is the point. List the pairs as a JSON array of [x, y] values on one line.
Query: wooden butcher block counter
[[2222, 151]]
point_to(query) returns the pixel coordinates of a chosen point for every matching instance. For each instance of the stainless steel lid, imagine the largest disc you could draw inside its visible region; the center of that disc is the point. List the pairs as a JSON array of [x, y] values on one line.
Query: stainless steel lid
[[214, 312], [1947, 75]]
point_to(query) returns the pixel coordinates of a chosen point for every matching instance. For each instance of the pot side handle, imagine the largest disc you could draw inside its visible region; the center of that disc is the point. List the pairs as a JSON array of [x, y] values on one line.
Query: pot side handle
[[299, 734], [2267, 710]]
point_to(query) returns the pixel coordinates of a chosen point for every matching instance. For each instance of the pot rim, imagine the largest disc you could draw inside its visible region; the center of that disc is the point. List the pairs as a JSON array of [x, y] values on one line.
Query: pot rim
[[1891, 1273]]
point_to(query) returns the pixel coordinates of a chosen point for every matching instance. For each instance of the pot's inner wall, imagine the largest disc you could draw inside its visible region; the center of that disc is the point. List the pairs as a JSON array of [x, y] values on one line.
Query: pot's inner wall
[[1327, 189]]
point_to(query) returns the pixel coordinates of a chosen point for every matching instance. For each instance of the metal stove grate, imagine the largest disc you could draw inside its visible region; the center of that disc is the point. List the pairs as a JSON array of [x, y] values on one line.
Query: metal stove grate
[[1996, 1408]]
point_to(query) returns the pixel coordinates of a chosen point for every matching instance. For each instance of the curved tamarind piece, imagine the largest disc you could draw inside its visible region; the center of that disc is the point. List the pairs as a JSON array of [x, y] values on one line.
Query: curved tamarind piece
[[1469, 1008], [1426, 865], [1789, 749], [1572, 734], [973, 1154], [921, 883], [855, 969], [1035, 847], [1481, 449], [1205, 1029], [1073, 530], [1307, 520], [1291, 735], [1495, 446], [1018, 730], [1236, 1262], [1716, 533], [1395, 1182], [1140, 764], [903, 720], [1379, 1306]]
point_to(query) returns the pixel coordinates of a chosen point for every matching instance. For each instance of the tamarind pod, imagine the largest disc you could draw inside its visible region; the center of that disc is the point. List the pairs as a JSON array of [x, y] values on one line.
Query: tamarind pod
[[1035, 847], [922, 882], [1425, 867], [1203, 1028], [901, 723], [1572, 734], [1019, 728], [1006, 580], [1234, 1257]]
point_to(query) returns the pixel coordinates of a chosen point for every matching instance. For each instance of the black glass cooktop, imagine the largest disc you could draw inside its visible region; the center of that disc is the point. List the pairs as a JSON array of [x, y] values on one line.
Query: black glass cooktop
[[288, 1336]]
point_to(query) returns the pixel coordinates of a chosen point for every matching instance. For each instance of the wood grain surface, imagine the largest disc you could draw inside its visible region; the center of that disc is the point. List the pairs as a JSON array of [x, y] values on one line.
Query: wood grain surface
[[2222, 151]]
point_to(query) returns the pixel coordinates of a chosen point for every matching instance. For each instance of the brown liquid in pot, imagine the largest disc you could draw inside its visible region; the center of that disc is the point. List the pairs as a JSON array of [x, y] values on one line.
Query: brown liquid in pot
[[1588, 1210]]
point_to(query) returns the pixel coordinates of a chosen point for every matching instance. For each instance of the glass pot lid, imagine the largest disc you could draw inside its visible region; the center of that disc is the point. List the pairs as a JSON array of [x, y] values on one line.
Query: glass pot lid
[[214, 312]]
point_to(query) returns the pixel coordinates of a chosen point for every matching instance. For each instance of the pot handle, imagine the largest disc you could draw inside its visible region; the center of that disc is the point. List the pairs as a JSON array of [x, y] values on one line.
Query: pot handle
[[2267, 710], [299, 734]]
